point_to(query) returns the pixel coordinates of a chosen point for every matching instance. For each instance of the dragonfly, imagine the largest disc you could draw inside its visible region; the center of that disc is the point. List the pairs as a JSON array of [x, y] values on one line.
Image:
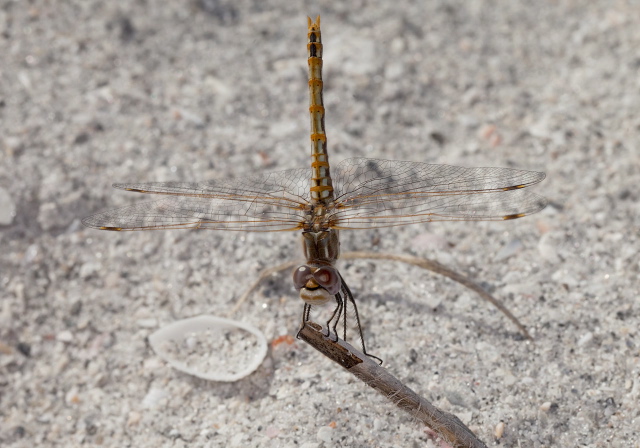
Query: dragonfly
[[321, 200]]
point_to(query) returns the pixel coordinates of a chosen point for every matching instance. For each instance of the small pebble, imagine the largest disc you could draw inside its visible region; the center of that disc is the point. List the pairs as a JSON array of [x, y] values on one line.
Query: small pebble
[[153, 364], [585, 339], [499, 431], [544, 407], [272, 432], [509, 250], [153, 397], [325, 434], [64, 336], [72, 397], [134, 418]]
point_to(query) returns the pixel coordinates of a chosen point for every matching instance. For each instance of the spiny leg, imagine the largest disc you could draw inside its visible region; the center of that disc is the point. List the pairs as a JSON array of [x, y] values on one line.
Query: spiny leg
[[338, 311], [349, 295], [306, 314], [344, 321]]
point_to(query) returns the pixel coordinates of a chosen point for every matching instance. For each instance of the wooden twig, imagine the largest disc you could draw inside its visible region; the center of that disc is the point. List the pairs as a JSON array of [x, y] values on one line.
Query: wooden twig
[[446, 425]]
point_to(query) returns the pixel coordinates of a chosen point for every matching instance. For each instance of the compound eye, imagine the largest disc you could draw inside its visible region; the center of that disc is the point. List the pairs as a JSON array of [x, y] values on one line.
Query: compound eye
[[328, 278], [301, 276]]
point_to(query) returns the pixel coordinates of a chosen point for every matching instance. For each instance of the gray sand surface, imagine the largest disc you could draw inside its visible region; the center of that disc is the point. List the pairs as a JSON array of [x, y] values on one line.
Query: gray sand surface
[[95, 92]]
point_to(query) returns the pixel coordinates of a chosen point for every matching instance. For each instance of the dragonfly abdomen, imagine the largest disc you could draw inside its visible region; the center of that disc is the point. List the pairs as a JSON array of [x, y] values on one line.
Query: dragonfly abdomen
[[321, 185]]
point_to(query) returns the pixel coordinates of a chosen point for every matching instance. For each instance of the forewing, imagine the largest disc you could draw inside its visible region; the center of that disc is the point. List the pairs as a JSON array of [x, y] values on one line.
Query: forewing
[[378, 193], [269, 202]]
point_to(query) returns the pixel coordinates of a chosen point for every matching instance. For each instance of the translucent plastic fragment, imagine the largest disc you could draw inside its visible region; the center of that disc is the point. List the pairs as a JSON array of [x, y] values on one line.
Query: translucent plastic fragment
[[210, 347]]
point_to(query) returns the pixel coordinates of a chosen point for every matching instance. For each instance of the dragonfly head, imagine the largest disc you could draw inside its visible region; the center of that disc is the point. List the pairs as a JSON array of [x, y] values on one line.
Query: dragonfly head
[[317, 284]]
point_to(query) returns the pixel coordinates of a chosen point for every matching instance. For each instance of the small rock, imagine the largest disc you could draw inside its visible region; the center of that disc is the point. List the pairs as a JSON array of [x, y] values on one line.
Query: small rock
[[24, 348], [71, 397], [325, 434], [272, 432], [153, 364], [499, 431], [153, 397], [465, 417], [64, 336], [541, 128], [394, 70], [32, 254], [89, 269], [509, 380], [48, 215], [548, 247], [544, 407], [509, 250], [585, 339]]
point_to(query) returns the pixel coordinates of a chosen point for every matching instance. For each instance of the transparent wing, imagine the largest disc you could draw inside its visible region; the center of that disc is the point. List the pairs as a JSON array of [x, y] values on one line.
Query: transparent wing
[[381, 193], [269, 202]]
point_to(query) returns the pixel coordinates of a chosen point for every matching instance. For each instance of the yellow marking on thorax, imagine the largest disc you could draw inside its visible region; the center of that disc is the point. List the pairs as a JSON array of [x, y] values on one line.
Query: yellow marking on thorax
[[321, 185]]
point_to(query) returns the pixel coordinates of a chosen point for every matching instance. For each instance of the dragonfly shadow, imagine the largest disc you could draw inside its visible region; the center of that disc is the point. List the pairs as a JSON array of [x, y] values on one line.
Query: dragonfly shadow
[[406, 307]]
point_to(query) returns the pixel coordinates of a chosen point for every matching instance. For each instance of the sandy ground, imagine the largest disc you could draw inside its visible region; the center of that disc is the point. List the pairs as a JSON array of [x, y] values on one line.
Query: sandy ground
[[95, 92]]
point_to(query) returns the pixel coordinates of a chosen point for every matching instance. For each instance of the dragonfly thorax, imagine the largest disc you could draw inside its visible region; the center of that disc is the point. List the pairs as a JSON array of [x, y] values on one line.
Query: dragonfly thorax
[[318, 281], [317, 218], [321, 248]]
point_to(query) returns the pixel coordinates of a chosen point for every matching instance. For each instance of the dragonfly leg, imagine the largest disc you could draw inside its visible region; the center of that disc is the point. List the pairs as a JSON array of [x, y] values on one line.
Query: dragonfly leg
[[349, 295], [336, 312], [344, 321], [306, 312]]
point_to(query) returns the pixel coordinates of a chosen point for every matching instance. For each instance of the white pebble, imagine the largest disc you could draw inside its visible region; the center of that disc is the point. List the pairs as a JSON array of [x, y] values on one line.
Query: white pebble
[[544, 407], [325, 434], [153, 397], [513, 247], [64, 336], [585, 339]]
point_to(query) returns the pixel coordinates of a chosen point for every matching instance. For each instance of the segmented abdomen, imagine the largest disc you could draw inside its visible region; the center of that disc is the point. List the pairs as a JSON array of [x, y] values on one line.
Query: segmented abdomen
[[321, 186]]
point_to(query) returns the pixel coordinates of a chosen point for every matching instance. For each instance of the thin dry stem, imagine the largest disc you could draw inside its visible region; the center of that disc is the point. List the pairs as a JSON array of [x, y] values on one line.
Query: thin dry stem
[[438, 268], [446, 425]]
